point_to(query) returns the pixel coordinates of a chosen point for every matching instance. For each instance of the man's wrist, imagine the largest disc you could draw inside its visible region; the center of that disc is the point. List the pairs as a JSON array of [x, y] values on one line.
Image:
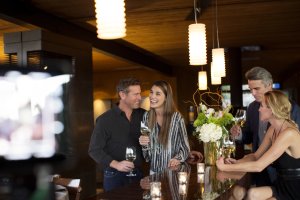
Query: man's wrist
[[114, 164]]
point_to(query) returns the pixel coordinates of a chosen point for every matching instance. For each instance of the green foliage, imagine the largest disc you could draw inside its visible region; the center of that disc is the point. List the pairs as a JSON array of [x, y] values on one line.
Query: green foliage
[[225, 120], [201, 119]]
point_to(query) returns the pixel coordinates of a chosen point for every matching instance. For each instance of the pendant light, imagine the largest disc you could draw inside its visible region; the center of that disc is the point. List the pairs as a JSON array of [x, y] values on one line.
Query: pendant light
[[110, 19], [202, 80], [197, 42], [218, 54]]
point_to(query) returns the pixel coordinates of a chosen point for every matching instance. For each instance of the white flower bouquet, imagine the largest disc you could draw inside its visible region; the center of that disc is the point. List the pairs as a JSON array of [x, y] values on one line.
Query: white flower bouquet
[[211, 124]]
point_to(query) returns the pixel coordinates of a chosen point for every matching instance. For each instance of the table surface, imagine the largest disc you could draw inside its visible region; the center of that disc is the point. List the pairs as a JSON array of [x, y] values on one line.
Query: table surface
[[220, 185]]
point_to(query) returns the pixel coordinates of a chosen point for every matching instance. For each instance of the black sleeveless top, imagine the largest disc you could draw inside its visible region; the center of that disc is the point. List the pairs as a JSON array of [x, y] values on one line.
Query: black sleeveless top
[[287, 185]]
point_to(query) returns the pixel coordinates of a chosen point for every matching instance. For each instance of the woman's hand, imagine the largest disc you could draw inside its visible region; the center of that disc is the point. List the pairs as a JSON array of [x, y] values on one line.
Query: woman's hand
[[144, 140], [173, 162], [230, 161], [220, 163], [195, 155]]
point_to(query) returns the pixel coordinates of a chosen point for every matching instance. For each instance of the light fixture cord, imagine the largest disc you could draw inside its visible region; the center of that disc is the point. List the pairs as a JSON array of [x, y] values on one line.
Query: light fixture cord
[[217, 28], [195, 11], [213, 34]]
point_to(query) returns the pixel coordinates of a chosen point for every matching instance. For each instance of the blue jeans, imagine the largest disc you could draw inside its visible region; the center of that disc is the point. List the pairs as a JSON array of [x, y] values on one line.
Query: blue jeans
[[113, 178]]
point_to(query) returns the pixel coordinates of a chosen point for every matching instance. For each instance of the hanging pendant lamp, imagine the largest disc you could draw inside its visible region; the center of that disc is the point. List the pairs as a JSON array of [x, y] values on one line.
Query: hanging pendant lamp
[[110, 19]]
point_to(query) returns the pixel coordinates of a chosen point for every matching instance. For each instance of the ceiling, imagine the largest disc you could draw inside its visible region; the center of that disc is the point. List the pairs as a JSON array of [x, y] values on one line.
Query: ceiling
[[157, 31]]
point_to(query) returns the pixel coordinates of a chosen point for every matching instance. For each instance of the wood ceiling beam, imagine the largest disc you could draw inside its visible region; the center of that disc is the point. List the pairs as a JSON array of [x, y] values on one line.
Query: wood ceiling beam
[[19, 11]]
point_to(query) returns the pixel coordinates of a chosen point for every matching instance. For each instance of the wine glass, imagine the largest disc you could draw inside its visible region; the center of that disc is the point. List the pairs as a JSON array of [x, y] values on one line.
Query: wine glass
[[145, 131], [130, 156], [240, 117], [228, 147]]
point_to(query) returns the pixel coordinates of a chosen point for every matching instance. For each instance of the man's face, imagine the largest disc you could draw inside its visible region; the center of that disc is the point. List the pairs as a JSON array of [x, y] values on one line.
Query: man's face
[[132, 98], [258, 89]]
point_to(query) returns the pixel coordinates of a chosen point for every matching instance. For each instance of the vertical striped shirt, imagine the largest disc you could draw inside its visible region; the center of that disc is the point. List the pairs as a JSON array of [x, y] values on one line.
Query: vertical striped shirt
[[177, 147]]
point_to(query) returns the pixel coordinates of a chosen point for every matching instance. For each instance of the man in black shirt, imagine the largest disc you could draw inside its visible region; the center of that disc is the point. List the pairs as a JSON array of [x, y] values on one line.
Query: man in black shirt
[[115, 130]]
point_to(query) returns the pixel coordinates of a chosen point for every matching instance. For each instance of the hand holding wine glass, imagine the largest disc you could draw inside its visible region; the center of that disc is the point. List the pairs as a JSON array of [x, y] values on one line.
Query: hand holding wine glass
[[228, 147], [240, 117], [130, 156], [144, 139]]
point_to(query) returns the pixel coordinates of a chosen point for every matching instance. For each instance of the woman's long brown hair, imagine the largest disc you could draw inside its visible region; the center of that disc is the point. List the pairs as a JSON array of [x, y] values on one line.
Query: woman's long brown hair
[[169, 109]]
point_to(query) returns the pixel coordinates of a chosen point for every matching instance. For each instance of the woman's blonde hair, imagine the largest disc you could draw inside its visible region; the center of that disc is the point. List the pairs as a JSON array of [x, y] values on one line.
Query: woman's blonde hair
[[280, 105]]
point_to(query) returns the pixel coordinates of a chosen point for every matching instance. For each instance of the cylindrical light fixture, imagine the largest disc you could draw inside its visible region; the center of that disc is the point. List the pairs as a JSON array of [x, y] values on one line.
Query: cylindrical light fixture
[[197, 44], [215, 80], [202, 80], [110, 19], [218, 58]]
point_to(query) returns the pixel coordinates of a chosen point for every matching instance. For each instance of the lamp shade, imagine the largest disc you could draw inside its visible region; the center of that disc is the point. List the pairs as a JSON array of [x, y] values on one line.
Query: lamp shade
[[202, 80], [110, 19], [197, 44], [218, 58], [215, 80]]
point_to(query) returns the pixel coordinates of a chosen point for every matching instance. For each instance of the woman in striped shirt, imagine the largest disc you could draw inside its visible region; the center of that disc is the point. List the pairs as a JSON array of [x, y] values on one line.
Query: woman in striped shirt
[[167, 144]]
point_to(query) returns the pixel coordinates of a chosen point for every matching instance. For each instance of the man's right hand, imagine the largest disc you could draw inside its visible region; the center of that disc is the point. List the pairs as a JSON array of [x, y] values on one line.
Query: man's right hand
[[122, 166], [235, 130]]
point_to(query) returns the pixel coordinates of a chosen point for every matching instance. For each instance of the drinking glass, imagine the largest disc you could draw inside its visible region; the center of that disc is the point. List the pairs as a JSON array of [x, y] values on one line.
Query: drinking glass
[[228, 147], [130, 156], [145, 131], [240, 117]]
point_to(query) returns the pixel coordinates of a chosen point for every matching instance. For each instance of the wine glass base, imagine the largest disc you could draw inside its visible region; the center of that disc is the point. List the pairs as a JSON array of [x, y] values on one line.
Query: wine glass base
[[130, 175]]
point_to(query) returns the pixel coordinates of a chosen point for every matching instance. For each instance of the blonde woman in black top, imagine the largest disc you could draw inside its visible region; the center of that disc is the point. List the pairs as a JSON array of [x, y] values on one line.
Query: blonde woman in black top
[[280, 146]]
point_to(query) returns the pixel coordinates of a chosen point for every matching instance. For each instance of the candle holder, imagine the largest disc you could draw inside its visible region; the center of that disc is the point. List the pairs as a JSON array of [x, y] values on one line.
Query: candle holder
[[200, 168], [182, 177], [182, 189], [200, 178], [155, 190]]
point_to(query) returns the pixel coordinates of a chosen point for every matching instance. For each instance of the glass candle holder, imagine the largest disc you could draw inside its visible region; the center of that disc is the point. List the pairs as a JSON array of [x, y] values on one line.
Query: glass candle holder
[[182, 177], [182, 189], [155, 190], [200, 168], [200, 178]]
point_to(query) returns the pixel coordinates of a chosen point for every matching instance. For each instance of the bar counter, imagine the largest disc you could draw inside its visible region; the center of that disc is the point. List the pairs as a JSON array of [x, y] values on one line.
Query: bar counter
[[212, 184]]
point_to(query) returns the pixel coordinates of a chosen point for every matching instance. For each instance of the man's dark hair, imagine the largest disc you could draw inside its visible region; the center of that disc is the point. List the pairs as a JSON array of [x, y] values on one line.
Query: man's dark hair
[[125, 83]]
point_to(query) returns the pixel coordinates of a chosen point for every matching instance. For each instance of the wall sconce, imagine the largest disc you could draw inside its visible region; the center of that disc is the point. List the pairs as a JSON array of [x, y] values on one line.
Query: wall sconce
[[202, 80], [110, 19]]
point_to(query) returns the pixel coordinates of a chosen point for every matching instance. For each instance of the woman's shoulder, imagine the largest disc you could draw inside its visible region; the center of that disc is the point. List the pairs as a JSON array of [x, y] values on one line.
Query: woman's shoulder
[[290, 133], [177, 114]]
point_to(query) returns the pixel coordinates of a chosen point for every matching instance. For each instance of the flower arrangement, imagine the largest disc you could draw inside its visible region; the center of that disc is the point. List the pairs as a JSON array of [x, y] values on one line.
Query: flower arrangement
[[211, 124]]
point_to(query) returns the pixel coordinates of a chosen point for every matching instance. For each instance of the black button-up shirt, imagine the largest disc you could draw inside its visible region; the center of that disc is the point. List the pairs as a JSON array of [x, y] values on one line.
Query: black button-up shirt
[[113, 132]]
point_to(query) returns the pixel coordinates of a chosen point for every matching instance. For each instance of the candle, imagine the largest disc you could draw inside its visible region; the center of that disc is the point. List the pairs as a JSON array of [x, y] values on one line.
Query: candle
[[155, 189], [182, 189], [182, 177], [200, 178], [200, 168]]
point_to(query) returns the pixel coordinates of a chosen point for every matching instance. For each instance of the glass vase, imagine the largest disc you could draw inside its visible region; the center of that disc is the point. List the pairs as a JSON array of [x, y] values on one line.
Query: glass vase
[[210, 152]]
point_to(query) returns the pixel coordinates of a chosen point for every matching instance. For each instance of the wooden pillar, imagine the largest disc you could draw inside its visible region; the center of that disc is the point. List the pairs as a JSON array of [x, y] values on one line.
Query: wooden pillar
[[234, 76]]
